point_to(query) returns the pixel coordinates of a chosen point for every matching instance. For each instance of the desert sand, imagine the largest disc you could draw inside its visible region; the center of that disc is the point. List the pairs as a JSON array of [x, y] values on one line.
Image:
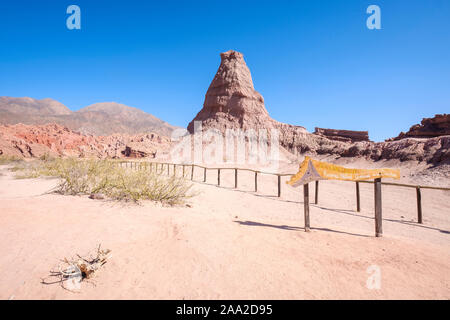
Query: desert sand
[[227, 244]]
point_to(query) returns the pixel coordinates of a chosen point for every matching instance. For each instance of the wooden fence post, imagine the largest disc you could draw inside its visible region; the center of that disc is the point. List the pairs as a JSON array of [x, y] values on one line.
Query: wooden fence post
[[218, 177], [316, 193], [174, 170], [204, 174], [183, 170], [358, 201], [279, 186], [378, 209], [235, 178], [306, 206], [419, 205], [192, 172], [256, 181], [168, 170]]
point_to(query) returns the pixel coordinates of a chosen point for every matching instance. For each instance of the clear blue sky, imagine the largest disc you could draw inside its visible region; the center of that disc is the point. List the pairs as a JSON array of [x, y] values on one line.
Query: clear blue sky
[[314, 61]]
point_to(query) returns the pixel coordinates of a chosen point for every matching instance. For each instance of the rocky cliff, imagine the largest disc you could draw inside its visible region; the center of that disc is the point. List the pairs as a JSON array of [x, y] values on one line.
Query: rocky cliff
[[437, 126], [342, 135], [232, 102], [31, 141]]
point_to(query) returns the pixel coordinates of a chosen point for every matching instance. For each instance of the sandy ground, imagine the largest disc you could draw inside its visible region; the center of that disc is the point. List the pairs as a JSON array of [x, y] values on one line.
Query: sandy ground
[[229, 244]]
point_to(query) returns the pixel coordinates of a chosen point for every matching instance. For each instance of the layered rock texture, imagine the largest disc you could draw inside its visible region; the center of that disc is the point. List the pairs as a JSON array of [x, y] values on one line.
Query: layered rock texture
[[343, 135], [99, 119], [231, 102], [29, 141], [437, 126]]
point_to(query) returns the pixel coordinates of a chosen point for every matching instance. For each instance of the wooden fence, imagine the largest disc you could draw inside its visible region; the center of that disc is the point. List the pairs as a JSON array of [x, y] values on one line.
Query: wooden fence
[[153, 166]]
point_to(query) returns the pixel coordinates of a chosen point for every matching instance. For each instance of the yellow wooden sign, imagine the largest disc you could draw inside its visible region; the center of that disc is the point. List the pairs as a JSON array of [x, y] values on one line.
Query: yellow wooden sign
[[312, 170]]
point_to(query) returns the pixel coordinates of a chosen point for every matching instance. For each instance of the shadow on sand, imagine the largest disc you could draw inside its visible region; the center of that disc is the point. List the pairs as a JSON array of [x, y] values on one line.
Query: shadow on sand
[[343, 211], [291, 228]]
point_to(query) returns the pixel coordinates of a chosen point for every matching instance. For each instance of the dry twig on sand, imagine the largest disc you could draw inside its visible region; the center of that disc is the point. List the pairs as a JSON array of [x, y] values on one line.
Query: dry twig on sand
[[72, 272]]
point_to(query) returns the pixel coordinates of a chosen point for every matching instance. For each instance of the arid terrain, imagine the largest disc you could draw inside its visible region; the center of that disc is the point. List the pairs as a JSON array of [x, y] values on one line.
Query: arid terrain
[[227, 244], [223, 243]]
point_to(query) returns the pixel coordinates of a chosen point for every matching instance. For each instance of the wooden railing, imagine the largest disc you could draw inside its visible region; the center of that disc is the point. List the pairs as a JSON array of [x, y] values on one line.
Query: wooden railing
[[154, 166]]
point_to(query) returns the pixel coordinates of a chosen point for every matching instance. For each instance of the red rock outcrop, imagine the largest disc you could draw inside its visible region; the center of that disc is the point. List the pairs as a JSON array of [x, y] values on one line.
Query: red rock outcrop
[[55, 140], [231, 101], [437, 126], [342, 135]]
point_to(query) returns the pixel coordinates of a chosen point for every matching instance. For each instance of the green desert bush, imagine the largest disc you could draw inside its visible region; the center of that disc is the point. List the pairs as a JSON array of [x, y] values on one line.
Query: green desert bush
[[82, 177], [4, 159], [33, 169]]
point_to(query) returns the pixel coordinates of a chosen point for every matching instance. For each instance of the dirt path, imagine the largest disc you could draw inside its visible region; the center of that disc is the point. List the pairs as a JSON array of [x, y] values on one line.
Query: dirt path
[[229, 245]]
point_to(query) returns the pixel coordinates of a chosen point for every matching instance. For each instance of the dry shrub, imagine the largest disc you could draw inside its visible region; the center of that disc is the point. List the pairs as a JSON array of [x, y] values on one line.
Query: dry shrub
[[4, 159], [75, 270], [83, 177]]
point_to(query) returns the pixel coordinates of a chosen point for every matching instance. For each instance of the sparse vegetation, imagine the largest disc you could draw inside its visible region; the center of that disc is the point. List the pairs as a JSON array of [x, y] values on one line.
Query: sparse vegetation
[[84, 177], [4, 159]]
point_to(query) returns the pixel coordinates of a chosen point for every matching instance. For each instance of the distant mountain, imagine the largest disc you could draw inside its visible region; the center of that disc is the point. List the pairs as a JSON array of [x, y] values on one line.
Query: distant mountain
[[33, 106], [98, 119]]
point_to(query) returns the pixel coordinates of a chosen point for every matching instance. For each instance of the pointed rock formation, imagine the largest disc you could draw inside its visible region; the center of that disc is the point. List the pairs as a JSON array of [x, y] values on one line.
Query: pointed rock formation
[[231, 101]]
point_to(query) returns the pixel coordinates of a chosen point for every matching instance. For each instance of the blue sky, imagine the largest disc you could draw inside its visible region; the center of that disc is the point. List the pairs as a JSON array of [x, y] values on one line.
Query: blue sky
[[314, 61]]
